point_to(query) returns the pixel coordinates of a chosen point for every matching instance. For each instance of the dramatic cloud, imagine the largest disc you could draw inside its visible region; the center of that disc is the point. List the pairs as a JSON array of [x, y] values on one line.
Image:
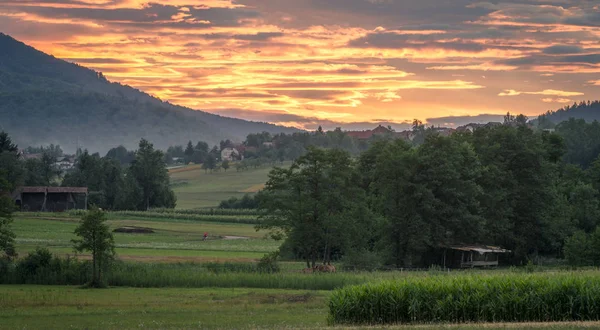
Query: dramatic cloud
[[549, 92], [307, 63]]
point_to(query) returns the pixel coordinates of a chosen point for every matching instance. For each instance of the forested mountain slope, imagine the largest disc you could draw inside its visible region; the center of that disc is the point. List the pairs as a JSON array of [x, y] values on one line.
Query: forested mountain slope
[[46, 100], [588, 111]]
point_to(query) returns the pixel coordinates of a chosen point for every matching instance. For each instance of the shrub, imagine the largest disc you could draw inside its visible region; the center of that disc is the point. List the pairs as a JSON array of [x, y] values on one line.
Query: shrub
[[41, 267], [462, 299], [230, 267], [268, 263]]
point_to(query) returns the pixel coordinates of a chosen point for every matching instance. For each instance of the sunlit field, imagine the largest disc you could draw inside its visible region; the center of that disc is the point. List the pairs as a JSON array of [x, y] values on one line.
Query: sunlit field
[[172, 240], [195, 188]]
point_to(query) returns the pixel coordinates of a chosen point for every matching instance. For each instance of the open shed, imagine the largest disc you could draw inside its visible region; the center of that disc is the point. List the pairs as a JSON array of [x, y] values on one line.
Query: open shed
[[51, 199], [471, 256]]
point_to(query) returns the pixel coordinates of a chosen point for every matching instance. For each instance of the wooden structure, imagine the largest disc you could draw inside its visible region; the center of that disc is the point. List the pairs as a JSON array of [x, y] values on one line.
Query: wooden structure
[[51, 199], [472, 256]]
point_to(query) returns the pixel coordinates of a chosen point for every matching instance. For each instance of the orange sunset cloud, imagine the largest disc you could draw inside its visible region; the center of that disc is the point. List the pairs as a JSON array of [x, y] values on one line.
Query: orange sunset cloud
[[339, 62]]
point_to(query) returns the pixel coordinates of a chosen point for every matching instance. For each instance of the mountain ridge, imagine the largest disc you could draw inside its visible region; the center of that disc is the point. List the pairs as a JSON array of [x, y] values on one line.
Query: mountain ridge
[[45, 100]]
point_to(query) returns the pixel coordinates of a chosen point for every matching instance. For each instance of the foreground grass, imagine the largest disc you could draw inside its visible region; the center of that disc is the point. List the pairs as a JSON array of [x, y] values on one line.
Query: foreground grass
[[62, 307], [39, 307]]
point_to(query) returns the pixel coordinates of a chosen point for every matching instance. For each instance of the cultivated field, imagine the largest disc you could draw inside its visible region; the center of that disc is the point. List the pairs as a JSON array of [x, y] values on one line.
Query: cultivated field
[[195, 188], [169, 279], [174, 239], [63, 307]]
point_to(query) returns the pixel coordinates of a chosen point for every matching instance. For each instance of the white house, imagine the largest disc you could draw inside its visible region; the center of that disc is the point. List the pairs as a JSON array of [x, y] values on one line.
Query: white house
[[230, 154]]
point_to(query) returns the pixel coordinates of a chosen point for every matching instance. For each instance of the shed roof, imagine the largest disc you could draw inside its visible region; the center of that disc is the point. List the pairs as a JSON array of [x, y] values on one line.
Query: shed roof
[[75, 190], [33, 189], [50, 190], [481, 249]]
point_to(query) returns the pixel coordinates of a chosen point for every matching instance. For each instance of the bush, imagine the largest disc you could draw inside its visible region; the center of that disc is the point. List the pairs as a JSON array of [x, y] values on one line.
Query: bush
[[41, 267], [466, 299], [362, 260], [268, 263], [230, 267]]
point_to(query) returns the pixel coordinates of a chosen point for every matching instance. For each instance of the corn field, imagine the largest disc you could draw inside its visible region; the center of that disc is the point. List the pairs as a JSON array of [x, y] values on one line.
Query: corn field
[[209, 211], [546, 297], [244, 219]]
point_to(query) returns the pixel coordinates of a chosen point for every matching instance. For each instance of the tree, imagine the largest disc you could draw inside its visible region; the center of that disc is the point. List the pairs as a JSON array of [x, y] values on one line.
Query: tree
[[202, 146], [152, 176], [6, 144], [7, 236], [210, 162], [10, 174], [400, 199], [96, 238], [315, 205], [121, 154], [189, 150], [225, 165], [48, 169]]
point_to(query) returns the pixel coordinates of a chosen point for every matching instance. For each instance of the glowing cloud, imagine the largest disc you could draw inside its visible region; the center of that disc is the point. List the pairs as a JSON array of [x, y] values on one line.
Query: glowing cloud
[[349, 61]]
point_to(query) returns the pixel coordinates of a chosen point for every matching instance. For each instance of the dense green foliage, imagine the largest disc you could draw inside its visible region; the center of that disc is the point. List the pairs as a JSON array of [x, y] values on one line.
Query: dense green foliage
[[470, 299], [505, 185], [10, 173], [316, 206], [140, 186], [41, 267], [247, 202], [47, 100], [587, 111]]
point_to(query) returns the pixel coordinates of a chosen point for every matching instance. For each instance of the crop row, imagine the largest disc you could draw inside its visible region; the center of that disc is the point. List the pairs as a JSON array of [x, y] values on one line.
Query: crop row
[[467, 299]]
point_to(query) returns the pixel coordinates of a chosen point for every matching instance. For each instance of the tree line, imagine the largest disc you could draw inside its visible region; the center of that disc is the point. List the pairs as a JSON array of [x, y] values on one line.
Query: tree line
[[139, 184], [397, 204]]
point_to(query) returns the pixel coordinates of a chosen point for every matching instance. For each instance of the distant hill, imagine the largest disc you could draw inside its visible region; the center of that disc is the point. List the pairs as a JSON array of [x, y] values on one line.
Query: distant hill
[[588, 111], [46, 100]]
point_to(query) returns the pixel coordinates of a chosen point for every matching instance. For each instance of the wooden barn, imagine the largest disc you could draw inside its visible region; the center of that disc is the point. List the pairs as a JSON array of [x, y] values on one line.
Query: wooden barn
[[51, 199]]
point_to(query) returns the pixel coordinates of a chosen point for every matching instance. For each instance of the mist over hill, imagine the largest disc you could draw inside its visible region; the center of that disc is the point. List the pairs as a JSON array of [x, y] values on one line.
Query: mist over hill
[[46, 100]]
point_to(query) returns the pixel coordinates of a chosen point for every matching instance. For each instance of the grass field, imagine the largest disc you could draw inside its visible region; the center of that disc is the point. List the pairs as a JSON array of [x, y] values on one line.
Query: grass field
[[173, 240], [179, 292], [61, 307], [195, 188]]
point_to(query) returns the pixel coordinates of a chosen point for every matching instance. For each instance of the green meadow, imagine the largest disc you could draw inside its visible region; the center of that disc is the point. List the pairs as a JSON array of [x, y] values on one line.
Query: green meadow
[[195, 188], [66, 307], [172, 240]]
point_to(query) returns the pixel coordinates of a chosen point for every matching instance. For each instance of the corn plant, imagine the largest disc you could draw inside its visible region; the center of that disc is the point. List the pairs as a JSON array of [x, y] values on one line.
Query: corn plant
[[470, 298]]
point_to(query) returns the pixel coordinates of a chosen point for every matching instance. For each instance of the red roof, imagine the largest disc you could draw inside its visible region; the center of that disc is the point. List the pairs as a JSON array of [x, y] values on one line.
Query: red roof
[[33, 189], [363, 135]]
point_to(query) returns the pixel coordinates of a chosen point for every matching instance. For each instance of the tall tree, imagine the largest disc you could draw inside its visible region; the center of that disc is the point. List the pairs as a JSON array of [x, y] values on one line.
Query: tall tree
[[400, 199], [95, 237], [309, 204], [189, 150], [152, 176]]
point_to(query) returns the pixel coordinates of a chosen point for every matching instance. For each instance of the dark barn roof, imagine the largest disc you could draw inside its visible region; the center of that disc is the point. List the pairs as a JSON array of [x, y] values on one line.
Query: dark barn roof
[[54, 190], [74, 190]]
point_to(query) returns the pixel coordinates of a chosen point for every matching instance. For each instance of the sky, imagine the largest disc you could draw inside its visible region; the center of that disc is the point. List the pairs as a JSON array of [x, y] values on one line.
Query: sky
[[349, 63]]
